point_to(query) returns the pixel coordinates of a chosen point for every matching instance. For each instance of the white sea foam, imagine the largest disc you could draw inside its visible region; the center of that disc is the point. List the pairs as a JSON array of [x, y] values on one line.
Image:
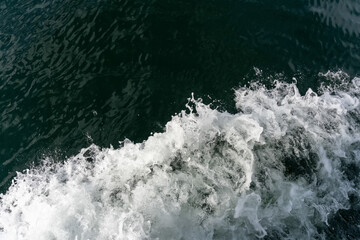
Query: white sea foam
[[275, 169]]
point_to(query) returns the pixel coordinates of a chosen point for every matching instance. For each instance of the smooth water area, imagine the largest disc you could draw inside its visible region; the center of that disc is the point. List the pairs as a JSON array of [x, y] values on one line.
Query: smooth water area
[[179, 119]]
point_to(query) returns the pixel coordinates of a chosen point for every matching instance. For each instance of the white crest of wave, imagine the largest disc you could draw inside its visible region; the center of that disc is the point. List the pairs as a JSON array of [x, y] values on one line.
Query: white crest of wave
[[273, 169]]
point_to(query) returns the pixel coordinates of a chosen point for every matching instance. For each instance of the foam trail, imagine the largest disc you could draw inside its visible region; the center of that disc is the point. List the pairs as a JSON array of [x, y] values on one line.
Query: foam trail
[[276, 170]]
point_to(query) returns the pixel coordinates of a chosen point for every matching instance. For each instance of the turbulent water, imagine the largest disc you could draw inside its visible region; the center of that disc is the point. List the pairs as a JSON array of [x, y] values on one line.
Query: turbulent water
[[265, 145], [282, 167]]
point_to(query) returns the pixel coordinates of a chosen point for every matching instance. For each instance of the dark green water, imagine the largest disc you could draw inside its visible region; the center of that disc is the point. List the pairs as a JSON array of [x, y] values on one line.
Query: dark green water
[[74, 73]]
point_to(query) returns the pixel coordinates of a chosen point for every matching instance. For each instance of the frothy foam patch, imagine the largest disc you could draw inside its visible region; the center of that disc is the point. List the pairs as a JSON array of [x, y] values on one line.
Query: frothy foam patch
[[275, 169]]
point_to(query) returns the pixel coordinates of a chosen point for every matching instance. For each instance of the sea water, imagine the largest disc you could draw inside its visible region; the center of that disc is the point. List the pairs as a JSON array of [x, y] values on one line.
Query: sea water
[[282, 166], [158, 119]]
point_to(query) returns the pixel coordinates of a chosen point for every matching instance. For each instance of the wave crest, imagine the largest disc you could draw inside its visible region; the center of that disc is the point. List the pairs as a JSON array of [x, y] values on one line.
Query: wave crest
[[279, 168]]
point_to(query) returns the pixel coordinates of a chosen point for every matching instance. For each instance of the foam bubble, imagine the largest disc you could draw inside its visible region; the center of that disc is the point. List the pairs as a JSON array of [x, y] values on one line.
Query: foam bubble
[[275, 169]]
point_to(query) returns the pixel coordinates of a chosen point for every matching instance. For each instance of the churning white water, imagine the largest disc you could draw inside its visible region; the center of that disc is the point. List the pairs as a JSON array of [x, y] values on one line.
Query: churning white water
[[275, 169]]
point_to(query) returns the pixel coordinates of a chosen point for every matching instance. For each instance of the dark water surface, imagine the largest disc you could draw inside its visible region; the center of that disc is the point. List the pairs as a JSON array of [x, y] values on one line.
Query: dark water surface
[[74, 73]]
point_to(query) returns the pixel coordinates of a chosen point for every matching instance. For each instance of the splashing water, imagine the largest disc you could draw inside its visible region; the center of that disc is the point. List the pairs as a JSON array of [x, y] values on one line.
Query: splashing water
[[276, 169]]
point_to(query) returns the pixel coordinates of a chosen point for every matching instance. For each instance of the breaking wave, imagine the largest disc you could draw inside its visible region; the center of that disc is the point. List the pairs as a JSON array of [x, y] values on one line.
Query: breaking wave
[[281, 167]]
